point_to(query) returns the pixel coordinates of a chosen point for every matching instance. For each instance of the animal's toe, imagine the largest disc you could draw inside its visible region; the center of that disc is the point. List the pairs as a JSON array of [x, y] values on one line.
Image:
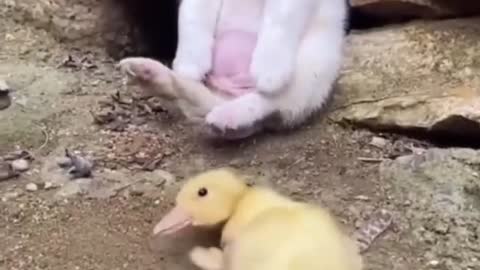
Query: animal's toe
[[125, 66], [219, 118], [141, 68]]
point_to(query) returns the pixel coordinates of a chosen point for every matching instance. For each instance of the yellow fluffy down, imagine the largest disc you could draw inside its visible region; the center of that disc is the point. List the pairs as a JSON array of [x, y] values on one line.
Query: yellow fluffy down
[[265, 230]]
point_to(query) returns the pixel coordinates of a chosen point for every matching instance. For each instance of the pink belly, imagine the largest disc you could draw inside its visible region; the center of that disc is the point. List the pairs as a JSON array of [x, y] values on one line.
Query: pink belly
[[232, 55]]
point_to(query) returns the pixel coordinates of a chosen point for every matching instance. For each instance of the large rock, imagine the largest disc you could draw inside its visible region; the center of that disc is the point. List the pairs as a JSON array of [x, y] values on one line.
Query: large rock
[[421, 76], [440, 189], [38, 93], [402, 9]]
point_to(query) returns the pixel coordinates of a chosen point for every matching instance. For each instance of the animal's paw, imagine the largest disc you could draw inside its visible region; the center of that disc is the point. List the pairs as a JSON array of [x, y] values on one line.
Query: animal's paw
[[195, 69], [143, 69], [207, 258], [272, 70], [236, 119]]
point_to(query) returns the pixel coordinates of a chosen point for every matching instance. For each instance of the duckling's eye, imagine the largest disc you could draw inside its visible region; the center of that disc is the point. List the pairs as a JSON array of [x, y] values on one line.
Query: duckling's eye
[[202, 192]]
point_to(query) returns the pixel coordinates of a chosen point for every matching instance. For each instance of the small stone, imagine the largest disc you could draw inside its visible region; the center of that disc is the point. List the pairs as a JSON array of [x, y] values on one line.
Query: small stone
[[407, 203], [441, 228], [48, 186], [358, 224], [433, 263], [4, 86], [141, 155], [31, 187], [9, 196], [165, 176], [378, 142], [136, 192], [81, 168], [20, 165], [362, 198], [64, 162]]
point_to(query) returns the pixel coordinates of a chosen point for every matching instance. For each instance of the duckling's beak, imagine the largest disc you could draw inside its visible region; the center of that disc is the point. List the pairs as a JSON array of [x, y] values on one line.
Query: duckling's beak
[[173, 221]]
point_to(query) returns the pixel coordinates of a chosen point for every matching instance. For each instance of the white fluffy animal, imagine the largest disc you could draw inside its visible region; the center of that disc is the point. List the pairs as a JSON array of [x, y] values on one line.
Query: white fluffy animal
[[240, 63]]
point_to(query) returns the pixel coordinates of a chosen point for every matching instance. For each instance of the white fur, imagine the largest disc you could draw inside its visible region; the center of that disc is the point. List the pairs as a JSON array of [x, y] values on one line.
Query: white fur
[[284, 23], [239, 112], [197, 21], [295, 63], [300, 50]]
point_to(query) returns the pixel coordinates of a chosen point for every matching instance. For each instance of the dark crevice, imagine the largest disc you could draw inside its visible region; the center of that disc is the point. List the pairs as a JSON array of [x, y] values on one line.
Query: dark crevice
[[360, 20], [456, 131], [152, 26]]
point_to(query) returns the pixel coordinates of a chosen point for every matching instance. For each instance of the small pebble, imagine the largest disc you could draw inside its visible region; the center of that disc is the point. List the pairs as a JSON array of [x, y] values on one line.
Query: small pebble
[[141, 155], [378, 142], [9, 196], [168, 177], [136, 192], [20, 165], [4, 86], [407, 203], [362, 198], [64, 162], [49, 185], [31, 187]]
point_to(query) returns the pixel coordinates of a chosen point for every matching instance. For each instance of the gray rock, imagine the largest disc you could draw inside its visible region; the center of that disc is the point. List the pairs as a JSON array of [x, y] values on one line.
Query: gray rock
[[442, 187], [49, 185], [421, 75], [31, 187], [379, 142], [20, 165]]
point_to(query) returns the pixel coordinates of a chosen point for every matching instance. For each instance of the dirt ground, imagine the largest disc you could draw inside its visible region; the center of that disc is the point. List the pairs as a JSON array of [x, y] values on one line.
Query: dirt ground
[[321, 162]]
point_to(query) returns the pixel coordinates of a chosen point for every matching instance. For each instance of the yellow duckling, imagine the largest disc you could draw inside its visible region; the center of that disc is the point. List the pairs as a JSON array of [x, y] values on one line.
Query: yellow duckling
[[263, 229]]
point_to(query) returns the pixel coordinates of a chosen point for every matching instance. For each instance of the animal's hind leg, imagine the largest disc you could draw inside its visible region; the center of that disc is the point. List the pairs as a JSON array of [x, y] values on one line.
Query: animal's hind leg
[[193, 98], [240, 117]]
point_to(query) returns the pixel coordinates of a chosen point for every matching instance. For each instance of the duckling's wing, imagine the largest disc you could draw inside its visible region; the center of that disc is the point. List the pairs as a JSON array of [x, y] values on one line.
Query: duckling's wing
[[286, 239]]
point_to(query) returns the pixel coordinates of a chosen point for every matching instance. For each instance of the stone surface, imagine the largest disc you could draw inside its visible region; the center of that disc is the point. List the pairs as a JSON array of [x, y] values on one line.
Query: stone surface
[[392, 9], [104, 183], [442, 187], [20, 165], [37, 91], [31, 187], [418, 76]]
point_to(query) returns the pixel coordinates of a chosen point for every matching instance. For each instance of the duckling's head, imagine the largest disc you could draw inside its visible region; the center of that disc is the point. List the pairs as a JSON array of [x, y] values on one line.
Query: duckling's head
[[206, 199]]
